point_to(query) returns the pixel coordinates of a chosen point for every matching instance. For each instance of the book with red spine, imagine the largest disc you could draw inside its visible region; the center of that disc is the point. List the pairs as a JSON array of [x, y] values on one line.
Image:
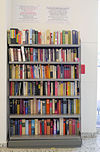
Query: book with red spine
[[64, 126], [59, 106], [47, 106], [51, 127], [39, 37], [56, 88], [48, 88], [31, 54], [20, 127], [29, 127], [62, 55], [45, 127], [61, 38], [31, 69], [73, 126]]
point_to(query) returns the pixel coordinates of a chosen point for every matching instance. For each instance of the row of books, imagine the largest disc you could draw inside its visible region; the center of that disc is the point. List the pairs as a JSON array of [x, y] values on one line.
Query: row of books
[[44, 127], [48, 106], [44, 88], [32, 36], [43, 54], [44, 71]]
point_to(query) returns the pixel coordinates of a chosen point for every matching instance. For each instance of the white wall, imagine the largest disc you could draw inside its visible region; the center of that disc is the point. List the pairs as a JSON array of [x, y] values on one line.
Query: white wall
[[83, 17]]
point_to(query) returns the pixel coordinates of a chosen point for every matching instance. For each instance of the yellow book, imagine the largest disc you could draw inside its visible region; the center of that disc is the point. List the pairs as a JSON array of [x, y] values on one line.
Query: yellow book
[[38, 55], [61, 88], [78, 106], [18, 108], [53, 37], [69, 88], [48, 37], [23, 126], [36, 126], [32, 107], [66, 37]]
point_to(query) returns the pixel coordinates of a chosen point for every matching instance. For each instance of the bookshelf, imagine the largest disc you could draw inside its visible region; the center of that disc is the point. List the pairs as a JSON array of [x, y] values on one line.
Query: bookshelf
[[67, 138]]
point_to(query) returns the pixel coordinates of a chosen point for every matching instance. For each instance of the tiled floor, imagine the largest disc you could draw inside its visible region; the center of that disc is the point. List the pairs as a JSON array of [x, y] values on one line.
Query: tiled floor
[[88, 145]]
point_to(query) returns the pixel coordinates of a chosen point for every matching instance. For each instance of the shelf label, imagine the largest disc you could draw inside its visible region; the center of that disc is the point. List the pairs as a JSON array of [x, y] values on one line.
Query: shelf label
[[82, 68]]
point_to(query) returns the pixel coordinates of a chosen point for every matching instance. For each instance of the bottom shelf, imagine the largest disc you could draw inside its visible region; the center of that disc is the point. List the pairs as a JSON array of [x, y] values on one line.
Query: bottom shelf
[[44, 141]]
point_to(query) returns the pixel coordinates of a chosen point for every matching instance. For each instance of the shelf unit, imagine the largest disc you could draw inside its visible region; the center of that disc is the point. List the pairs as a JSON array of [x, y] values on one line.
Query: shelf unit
[[44, 141]]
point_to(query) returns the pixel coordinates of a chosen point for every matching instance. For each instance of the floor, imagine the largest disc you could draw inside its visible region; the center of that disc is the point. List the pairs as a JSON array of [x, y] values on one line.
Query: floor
[[88, 145]]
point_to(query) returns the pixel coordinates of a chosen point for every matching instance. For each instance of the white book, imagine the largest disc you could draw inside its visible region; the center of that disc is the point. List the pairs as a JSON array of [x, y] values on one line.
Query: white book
[[61, 126], [19, 55], [23, 53], [12, 54], [23, 36]]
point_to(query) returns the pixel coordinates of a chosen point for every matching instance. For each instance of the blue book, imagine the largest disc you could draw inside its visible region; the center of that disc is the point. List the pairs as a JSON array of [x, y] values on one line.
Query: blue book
[[34, 54], [26, 127], [39, 106], [64, 106], [26, 107], [55, 127], [32, 127], [11, 127], [30, 36], [73, 36], [76, 37], [16, 127], [42, 126]]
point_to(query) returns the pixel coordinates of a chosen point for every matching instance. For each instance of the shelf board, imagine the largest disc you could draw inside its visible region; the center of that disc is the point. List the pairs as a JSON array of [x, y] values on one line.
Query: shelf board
[[46, 45], [41, 137], [43, 97], [30, 62], [44, 79], [45, 116]]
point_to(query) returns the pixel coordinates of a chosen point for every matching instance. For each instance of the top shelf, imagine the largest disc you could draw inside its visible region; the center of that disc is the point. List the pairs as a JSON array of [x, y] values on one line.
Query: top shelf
[[46, 45]]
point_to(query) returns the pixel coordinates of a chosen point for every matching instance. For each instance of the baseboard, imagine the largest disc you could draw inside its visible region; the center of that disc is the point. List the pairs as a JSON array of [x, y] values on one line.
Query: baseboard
[[88, 135], [3, 145]]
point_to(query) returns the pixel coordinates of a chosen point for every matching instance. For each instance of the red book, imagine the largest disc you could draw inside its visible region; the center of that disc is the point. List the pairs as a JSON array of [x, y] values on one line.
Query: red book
[[31, 69], [73, 127], [40, 128], [51, 127], [45, 127], [39, 37], [62, 54], [48, 106], [56, 88], [29, 127], [64, 123], [61, 38], [48, 83], [20, 127], [31, 54]]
